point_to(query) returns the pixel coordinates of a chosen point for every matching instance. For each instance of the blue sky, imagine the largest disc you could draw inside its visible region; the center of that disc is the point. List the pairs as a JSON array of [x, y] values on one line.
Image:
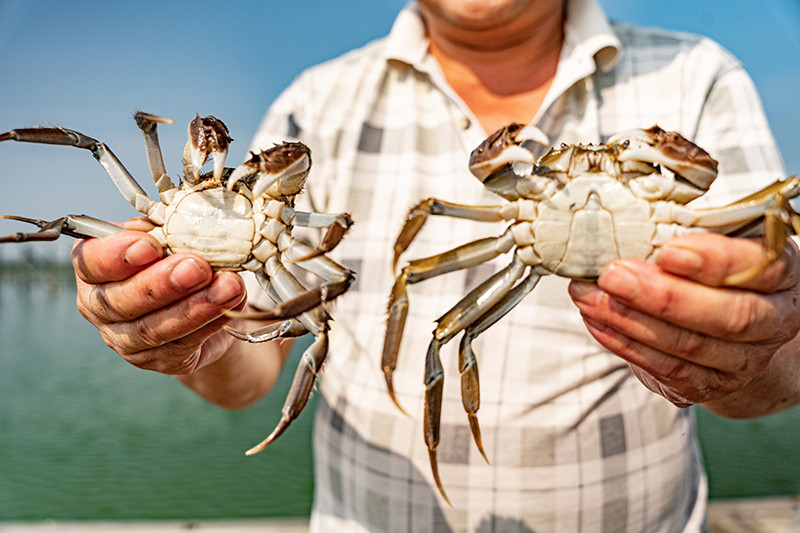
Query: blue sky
[[88, 65]]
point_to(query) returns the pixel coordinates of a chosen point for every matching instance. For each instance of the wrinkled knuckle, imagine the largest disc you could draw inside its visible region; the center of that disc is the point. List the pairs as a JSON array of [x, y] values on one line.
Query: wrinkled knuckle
[[687, 344], [743, 316], [187, 365], [147, 335], [79, 264], [144, 360], [95, 301], [173, 359], [118, 343], [730, 383], [190, 355], [678, 371], [668, 304]]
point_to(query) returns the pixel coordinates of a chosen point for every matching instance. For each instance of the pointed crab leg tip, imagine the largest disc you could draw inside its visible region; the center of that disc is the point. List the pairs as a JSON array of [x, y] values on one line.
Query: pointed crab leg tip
[[393, 396], [435, 471], [740, 278], [483, 454], [241, 335], [277, 432], [230, 313], [476, 436], [249, 315], [20, 219], [156, 118], [399, 406]]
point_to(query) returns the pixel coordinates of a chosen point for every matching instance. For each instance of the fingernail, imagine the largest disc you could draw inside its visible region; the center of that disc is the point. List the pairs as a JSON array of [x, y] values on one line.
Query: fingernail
[[141, 253], [619, 281], [187, 274], [679, 260], [223, 290], [584, 292]]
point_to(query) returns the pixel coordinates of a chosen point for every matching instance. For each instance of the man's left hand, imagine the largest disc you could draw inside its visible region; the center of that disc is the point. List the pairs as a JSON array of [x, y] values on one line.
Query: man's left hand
[[684, 334]]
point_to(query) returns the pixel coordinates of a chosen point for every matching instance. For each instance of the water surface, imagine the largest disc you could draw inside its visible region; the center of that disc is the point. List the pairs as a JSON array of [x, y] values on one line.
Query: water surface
[[86, 436]]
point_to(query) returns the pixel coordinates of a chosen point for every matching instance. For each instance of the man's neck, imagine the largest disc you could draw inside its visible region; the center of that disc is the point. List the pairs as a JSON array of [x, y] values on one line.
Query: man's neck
[[502, 74]]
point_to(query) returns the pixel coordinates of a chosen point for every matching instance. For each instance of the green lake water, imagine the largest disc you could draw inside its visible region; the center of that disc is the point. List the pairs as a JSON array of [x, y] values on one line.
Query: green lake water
[[84, 435]]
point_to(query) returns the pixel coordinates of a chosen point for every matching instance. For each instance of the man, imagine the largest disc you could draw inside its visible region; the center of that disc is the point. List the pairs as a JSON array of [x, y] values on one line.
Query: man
[[575, 442]]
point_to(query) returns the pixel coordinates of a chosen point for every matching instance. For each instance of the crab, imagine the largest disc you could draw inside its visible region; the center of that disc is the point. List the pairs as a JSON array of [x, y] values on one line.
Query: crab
[[569, 213], [237, 219]]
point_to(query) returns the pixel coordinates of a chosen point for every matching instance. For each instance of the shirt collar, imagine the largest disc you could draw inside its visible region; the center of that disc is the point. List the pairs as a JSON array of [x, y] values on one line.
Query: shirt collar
[[589, 39]]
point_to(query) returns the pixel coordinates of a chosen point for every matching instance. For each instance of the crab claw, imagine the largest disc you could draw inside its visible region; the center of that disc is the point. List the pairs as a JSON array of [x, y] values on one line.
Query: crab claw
[[503, 148], [280, 170], [207, 135], [670, 149]]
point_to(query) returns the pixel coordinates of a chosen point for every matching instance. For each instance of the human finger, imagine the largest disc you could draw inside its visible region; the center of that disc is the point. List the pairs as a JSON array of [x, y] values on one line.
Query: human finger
[[180, 323], [114, 257], [631, 329], [730, 313], [679, 380], [712, 259], [187, 353], [154, 287]]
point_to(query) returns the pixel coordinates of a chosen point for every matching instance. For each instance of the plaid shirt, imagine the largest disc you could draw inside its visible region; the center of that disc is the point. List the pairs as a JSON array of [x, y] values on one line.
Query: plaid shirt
[[575, 442]]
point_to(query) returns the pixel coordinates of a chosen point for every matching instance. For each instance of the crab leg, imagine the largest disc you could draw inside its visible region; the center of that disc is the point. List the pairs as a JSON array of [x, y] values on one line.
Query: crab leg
[[286, 286], [277, 330], [418, 215], [468, 364], [776, 228], [78, 226], [337, 225], [337, 280], [148, 124], [465, 256], [462, 315], [741, 212], [768, 210], [123, 180]]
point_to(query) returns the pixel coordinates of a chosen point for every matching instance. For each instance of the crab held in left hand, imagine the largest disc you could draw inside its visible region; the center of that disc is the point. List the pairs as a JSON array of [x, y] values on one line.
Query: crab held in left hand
[[570, 213], [236, 219]]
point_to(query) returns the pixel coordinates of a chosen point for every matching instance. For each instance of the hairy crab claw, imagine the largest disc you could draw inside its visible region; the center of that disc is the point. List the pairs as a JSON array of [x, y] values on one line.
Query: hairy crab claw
[[207, 136], [671, 150], [281, 170], [505, 148]]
